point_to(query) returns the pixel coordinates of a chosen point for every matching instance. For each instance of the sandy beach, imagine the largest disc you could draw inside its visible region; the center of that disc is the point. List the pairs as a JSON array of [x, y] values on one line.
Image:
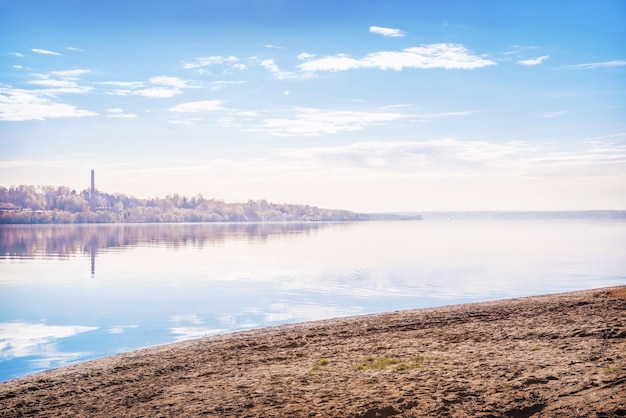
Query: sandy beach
[[558, 355]]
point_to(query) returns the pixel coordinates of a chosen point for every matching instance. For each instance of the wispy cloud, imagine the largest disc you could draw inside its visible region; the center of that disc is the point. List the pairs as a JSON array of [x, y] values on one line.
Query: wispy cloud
[[61, 82], [556, 114], [175, 82], [201, 62], [388, 32], [314, 122], [44, 51], [158, 92], [70, 73], [272, 67], [446, 56], [156, 87], [71, 48], [517, 49], [593, 65], [23, 105], [220, 84], [119, 113], [198, 106], [123, 88], [17, 54], [534, 61], [450, 157], [129, 84]]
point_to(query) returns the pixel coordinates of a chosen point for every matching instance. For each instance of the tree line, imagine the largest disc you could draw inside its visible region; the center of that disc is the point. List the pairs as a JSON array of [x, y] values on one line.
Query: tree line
[[50, 204]]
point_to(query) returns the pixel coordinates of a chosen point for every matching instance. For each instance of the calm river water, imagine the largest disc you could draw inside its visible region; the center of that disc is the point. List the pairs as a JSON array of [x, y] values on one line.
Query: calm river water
[[72, 293]]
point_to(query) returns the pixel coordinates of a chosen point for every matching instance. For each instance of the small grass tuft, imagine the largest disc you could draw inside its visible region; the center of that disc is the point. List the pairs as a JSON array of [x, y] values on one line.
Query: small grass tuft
[[321, 363], [372, 363], [535, 348], [610, 370]]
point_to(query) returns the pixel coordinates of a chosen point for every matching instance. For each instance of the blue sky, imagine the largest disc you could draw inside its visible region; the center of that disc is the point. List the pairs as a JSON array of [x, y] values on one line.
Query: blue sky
[[362, 105]]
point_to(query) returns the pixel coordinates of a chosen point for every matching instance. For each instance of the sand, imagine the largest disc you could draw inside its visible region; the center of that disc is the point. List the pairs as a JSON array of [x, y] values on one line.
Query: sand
[[548, 356]]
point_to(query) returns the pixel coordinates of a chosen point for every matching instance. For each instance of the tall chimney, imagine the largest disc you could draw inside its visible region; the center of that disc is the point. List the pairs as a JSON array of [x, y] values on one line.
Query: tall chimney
[[92, 194]]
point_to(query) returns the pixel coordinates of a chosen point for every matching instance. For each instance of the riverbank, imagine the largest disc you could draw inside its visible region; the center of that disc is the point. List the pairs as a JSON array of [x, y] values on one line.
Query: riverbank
[[553, 355]]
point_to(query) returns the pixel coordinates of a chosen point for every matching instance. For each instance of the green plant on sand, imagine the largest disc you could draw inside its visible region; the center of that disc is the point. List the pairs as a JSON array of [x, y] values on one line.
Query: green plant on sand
[[372, 363]]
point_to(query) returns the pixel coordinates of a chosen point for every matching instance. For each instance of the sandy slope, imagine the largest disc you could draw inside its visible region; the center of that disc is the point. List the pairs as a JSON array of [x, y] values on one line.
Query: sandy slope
[[557, 355]]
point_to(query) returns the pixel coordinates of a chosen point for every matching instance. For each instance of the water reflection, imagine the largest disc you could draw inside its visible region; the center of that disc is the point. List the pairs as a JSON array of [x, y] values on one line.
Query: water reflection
[[161, 283], [64, 241]]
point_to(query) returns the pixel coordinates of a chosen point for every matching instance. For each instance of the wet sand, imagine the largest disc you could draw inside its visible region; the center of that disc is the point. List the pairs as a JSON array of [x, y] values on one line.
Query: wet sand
[[547, 356]]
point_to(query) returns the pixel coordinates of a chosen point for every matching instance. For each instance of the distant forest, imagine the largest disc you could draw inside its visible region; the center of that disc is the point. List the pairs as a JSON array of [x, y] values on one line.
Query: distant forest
[[56, 205]]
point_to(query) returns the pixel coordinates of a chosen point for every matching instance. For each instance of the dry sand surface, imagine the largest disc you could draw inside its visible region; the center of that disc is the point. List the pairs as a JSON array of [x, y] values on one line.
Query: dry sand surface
[[550, 356]]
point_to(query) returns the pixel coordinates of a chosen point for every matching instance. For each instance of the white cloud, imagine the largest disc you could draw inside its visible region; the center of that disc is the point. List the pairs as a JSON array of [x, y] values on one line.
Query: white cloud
[[44, 51], [130, 84], [159, 92], [185, 122], [270, 46], [17, 54], [71, 48], [175, 82], [305, 56], [313, 122], [22, 105], [156, 87], [119, 113], [61, 82], [388, 32], [534, 61], [593, 65], [201, 62], [270, 65], [199, 106], [70, 73], [18, 67], [220, 84], [446, 56]]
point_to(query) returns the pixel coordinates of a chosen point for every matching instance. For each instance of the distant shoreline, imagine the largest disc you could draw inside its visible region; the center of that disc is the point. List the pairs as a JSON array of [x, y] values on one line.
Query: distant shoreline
[[559, 354], [609, 214]]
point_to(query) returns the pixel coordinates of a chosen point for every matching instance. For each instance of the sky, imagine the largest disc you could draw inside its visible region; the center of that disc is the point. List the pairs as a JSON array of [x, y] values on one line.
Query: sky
[[368, 105]]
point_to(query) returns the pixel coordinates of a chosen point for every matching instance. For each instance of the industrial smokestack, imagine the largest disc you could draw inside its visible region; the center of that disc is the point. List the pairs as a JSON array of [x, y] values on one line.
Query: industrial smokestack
[[92, 194]]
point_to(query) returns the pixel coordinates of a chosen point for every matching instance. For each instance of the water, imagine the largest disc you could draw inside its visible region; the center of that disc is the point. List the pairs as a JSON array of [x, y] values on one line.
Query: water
[[72, 293]]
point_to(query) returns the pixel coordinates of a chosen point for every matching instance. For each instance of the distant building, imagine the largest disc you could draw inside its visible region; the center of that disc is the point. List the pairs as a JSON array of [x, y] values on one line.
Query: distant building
[[9, 207]]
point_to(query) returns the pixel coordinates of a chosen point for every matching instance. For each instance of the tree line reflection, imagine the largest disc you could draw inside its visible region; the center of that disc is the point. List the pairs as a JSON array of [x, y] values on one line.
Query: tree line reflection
[[31, 241]]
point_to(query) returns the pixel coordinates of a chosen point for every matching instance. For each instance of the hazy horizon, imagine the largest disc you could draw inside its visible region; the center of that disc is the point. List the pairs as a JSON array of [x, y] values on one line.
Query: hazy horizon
[[379, 106]]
